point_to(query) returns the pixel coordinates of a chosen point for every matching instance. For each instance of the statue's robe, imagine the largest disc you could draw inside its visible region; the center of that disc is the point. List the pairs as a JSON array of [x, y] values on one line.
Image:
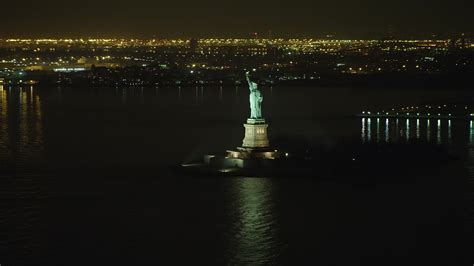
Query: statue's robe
[[256, 104]]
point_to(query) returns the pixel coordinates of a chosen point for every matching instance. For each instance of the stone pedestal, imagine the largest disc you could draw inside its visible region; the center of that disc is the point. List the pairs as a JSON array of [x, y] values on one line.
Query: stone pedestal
[[255, 134]]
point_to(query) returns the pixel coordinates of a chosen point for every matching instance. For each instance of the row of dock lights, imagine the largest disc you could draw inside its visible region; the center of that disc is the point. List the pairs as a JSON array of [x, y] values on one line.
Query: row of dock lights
[[418, 114], [426, 106]]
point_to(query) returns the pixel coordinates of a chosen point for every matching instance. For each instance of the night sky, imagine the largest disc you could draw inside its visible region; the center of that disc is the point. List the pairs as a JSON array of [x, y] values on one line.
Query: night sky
[[214, 18]]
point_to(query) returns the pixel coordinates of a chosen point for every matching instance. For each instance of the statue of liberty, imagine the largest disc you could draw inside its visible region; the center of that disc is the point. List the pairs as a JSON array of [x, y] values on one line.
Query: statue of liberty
[[255, 99]]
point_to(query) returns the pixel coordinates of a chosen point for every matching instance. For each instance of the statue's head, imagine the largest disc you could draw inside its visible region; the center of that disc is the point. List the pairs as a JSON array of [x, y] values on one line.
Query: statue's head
[[254, 85]]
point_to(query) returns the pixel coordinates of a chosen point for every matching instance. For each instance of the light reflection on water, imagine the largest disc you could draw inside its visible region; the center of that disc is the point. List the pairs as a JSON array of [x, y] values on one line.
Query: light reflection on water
[[471, 133], [469, 190], [417, 128], [428, 130], [421, 131], [407, 131], [197, 94], [378, 129], [397, 129], [4, 138], [450, 135], [21, 129], [21, 144], [124, 95], [254, 233], [438, 132], [369, 130], [220, 94]]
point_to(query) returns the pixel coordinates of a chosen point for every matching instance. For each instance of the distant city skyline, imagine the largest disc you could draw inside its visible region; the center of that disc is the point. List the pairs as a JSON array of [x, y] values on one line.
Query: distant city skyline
[[344, 19]]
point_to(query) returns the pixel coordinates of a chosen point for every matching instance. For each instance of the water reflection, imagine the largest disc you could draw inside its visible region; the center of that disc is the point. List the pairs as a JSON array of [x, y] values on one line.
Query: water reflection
[[428, 130], [4, 139], [220, 94], [471, 131], [438, 132], [124, 95], [236, 95], [417, 134], [449, 131], [171, 94], [397, 129], [142, 97], [60, 94], [21, 145], [469, 195], [408, 130], [378, 129], [369, 130], [196, 95], [255, 230], [21, 126], [202, 94]]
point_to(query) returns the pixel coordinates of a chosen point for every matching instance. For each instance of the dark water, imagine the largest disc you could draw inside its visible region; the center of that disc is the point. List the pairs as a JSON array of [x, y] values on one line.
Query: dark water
[[86, 181]]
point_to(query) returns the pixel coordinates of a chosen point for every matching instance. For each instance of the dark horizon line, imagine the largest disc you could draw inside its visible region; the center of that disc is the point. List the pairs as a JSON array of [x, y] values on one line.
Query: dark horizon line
[[249, 37]]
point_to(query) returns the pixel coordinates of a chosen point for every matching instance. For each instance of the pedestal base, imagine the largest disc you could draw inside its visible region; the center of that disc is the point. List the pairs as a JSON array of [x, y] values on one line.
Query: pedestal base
[[256, 134]]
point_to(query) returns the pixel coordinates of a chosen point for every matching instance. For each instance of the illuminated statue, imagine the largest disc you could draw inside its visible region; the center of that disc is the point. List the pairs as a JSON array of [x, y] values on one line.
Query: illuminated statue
[[255, 99]]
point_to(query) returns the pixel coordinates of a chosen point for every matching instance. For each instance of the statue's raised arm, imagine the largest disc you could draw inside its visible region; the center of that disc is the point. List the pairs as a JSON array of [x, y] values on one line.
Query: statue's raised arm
[[247, 75]]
